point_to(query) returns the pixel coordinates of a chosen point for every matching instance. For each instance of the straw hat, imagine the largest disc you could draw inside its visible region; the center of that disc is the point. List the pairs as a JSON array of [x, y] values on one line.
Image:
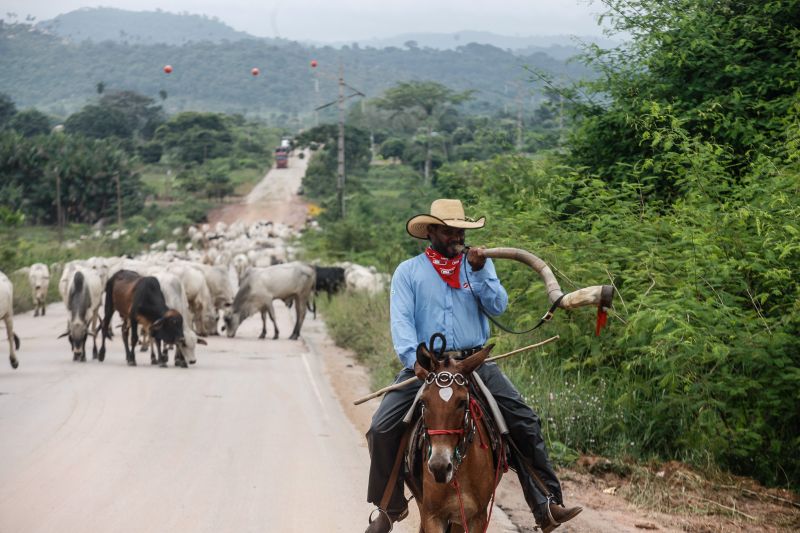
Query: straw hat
[[446, 213]]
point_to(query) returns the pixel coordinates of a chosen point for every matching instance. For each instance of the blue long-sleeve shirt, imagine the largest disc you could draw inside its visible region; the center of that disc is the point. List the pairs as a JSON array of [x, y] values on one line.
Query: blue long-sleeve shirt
[[423, 304]]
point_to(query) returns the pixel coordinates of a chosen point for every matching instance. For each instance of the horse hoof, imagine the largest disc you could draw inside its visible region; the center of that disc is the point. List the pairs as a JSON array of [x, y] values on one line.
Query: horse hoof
[[162, 365], [131, 363], [101, 355], [14, 363], [262, 336]]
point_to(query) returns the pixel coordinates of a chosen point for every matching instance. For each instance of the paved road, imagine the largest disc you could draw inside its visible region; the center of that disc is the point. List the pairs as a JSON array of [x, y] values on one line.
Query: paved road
[[249, 439]]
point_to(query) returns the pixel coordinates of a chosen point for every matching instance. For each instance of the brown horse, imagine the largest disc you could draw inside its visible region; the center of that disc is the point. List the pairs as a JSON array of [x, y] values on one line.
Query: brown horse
[[459, 477]]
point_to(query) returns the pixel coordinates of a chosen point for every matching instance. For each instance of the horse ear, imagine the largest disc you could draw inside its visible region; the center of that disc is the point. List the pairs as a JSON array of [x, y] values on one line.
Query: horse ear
[[475, 360], [155, 326], [424, 357]]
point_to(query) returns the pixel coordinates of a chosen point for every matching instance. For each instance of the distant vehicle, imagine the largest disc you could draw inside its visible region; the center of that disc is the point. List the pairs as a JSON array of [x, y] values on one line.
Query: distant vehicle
[[281, 157]]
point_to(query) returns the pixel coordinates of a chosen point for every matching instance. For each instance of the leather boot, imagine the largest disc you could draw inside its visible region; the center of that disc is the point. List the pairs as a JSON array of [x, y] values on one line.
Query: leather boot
[[383, 522], [558, 514]]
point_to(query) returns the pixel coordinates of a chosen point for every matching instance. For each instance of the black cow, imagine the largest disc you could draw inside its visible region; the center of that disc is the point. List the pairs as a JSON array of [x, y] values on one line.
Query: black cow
[[139, 300], [329, 279]]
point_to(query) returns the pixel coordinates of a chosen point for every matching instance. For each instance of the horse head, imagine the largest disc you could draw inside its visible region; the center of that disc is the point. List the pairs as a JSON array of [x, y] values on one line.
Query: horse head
[[446, 413]]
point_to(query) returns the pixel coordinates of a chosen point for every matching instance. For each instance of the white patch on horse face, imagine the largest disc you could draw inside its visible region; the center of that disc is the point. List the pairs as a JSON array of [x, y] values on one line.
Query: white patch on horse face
[[446, 393]]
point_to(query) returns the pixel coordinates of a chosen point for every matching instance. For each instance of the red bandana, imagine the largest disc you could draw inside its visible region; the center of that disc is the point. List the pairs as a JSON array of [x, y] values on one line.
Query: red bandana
[[447, 268]]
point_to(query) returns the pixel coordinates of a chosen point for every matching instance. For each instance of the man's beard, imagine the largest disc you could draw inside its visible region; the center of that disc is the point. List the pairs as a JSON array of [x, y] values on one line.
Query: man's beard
[[448, 249]]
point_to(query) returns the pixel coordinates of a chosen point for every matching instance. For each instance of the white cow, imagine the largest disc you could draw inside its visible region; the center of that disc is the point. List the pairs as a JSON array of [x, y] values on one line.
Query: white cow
[[84, 296], [361, 278], [7, 315], [175, 298], [39, 278], [199, 296], [288, 282]]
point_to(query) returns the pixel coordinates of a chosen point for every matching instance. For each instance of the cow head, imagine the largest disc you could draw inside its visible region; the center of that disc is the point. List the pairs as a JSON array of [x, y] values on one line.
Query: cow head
[[77, 332], [168, 328], [232, 322]]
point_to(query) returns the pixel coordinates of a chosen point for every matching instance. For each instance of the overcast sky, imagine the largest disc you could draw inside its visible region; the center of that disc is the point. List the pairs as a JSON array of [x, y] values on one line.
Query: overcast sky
[[343, 20]]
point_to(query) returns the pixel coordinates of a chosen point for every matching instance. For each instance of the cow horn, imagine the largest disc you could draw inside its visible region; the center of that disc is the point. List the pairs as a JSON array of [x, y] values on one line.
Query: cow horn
[[63, 334], [202, 341], [597, 295]]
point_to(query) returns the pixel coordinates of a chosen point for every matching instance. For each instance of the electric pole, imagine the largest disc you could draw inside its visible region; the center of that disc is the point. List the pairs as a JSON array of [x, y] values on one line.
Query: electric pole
[[340, 151], [340, 159]]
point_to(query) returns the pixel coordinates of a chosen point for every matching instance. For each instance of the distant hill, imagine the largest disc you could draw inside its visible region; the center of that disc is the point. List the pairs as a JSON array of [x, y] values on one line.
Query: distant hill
[[60, 76], [98, 24], [557, 46]]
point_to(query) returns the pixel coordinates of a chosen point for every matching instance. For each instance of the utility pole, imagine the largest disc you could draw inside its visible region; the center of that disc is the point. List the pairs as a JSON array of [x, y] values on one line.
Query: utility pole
[[119, 201], [59, 218], [340, 152], [340, 174]]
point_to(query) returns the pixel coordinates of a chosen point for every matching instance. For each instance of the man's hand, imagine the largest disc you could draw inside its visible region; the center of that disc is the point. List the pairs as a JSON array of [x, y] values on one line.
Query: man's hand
[[476, 258]]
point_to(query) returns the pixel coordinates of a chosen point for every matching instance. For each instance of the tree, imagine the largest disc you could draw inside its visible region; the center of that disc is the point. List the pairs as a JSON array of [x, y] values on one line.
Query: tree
[[196, 137], [140, 112], [7, 109], [393, 147], [428, 100], [99, 122], [30, 122]]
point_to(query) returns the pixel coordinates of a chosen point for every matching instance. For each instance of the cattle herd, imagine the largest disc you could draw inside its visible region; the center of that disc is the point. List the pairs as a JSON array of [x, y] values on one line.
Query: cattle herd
[[169, 299]]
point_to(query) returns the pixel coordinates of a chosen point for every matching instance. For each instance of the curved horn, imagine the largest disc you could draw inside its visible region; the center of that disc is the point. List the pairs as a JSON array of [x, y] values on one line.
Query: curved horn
[[598, 295]]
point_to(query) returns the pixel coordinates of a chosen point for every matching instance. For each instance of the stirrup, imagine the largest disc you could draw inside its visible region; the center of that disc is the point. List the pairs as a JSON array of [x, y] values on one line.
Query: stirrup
[[389, 518]]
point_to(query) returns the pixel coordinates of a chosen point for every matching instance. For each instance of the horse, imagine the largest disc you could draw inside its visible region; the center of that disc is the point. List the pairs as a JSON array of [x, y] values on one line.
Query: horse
[[459, 478]]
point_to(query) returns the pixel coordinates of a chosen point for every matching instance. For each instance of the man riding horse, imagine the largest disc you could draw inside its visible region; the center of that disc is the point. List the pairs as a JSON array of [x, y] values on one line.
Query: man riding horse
[[436, 292]]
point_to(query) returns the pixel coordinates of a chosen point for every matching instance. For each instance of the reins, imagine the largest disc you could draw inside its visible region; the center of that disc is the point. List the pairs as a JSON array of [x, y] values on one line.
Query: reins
[[473, 417]]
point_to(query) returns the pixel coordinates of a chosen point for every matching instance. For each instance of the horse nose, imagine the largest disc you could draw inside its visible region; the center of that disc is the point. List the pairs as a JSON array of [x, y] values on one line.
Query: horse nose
[[441, 467]]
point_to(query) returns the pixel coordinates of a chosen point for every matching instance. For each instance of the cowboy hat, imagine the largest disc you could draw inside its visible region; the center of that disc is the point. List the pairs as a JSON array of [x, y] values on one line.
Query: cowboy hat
[[446, 213]]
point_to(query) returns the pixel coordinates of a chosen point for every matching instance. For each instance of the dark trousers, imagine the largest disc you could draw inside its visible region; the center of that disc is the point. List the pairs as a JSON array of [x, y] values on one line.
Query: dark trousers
[[524, 426]]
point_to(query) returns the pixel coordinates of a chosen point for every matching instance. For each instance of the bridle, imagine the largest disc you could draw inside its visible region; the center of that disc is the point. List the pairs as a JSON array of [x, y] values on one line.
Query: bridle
[[468, 427]]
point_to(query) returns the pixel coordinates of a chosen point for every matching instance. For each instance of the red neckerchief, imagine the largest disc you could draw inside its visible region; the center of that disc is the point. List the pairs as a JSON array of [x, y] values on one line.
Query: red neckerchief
[[447, 268]]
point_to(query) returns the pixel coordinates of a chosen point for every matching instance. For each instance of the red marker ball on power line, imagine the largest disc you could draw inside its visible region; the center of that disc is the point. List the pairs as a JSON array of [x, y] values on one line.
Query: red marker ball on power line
[[255, 71], [313, 63], [167, 68]]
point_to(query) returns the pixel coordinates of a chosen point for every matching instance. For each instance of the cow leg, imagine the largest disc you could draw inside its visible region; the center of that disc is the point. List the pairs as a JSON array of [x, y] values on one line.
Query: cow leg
[[263, 333], [271, 311], [300, 313], [134, 330], [44, 308], [83, 351], [36, 310], [162, 359], [12, 340]]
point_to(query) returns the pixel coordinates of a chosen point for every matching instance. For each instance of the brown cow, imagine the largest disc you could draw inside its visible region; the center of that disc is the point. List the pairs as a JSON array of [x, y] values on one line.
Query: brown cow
[[139, 301]]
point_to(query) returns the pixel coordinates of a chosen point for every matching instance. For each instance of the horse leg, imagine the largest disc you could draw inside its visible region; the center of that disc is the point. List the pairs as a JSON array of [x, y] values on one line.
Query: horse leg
[[44, 307], [432, 524], [263, 324], [12, 339]]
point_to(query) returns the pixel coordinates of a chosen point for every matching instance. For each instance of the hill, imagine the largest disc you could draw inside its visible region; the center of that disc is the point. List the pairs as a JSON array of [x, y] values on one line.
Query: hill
[[57, 76], [98, 24]]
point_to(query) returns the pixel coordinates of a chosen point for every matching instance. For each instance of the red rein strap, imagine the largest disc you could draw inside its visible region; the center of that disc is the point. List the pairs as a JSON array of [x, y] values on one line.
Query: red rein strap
[[477, 414], [445, 432]]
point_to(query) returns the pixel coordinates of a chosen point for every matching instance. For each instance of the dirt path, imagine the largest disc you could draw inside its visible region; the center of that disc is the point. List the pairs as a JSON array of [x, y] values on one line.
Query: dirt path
[[275, 197]]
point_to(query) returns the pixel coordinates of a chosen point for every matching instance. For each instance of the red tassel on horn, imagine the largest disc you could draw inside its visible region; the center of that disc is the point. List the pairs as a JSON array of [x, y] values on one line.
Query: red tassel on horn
[[602, 318]]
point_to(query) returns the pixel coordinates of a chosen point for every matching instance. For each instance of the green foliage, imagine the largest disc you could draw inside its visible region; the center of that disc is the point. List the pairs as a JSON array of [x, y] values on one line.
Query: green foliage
[[195, 137], [7, 109], [727, 72], [98, 122], [215, 76], [88, 170], [30, 122]]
